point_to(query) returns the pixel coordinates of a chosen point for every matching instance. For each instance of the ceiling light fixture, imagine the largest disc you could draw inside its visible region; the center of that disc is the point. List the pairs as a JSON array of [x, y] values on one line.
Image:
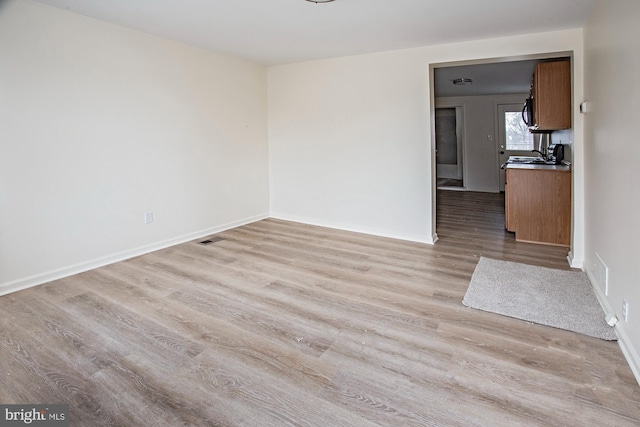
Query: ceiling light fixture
[[319, 1], [462, 81]]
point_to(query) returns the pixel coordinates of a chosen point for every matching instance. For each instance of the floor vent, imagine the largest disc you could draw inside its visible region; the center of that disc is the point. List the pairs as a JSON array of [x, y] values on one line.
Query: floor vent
[[210, 241], [601, 273]]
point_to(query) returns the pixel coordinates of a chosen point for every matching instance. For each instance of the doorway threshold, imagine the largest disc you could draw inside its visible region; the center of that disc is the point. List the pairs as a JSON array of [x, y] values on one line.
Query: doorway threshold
[[447, 188]]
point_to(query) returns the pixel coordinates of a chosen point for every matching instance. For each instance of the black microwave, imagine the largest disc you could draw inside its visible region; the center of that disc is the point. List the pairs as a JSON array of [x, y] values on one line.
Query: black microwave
[[527, 113]]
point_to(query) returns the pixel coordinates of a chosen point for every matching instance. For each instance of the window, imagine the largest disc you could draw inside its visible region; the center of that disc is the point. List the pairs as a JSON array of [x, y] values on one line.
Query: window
[[517, 134]]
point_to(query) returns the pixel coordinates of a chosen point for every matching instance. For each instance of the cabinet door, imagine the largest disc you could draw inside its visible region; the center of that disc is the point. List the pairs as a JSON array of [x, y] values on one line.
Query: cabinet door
[[552, 95], [539, 205]]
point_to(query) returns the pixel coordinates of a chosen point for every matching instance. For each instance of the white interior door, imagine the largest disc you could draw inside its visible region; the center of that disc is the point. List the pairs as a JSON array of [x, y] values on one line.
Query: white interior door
[[514, 138]]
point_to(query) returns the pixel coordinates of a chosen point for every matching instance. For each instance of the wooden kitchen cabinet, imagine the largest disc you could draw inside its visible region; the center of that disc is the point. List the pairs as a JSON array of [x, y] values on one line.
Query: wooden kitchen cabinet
[[538, 204], [551, 93]]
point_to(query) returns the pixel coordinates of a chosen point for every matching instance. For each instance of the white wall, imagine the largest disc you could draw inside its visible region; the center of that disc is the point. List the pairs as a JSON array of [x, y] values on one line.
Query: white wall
[[349, 144], [350, 139], [99, 124], [612, 158], [481, 161]]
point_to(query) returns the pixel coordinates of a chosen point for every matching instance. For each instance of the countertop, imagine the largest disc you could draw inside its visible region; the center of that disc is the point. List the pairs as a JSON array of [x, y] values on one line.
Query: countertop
[[559, 168], [513, 164]]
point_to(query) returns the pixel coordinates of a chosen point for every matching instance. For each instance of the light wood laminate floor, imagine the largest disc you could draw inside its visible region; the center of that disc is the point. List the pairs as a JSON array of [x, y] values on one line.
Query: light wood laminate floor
[[281, 324]]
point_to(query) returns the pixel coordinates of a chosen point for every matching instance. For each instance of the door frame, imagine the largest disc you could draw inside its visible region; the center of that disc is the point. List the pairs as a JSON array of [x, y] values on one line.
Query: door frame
[[576, 255]]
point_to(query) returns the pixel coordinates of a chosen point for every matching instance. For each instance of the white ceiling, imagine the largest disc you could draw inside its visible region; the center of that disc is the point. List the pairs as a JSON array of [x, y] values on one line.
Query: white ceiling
[[281, 31], [488, 79]]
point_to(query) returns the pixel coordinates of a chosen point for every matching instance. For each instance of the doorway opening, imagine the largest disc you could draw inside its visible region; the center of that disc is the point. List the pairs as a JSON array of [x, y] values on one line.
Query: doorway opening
[[492, 84], [449, 167]]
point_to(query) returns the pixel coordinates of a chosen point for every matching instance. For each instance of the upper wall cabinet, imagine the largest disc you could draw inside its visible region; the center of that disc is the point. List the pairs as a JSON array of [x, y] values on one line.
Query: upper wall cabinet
[[551, 93]]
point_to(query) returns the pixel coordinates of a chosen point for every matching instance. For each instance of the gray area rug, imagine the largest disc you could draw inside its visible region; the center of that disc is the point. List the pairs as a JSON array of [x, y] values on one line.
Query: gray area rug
[[558, 298]]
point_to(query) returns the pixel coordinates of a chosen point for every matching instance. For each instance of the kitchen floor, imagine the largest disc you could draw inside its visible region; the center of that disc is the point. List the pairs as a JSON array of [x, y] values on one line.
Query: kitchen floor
[[448, 182]]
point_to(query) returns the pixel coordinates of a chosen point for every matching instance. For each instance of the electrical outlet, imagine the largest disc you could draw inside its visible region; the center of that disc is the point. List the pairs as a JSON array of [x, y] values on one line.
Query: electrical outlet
[[625, 310], [148, 217]]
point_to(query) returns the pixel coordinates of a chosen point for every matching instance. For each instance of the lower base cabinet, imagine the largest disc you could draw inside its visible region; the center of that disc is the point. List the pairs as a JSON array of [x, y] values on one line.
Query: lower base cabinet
[[538, 205]]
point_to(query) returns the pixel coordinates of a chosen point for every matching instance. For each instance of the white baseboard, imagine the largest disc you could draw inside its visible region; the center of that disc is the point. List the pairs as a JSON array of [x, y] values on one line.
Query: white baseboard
[[411, 238], [39, 279], [575, 262], [629, 352]]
